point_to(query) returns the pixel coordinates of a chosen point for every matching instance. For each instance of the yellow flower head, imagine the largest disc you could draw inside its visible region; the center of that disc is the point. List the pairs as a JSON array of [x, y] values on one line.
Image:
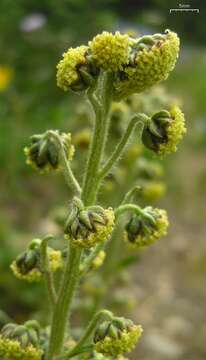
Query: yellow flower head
[[6, 75], [153, 190], [69, 75], [152, 59], [164, 131], [110, 51], [89, 226], [82, 138], [44, 154], [141, 231], [116, 337], [99, 260], [20, 342], [27, 266]]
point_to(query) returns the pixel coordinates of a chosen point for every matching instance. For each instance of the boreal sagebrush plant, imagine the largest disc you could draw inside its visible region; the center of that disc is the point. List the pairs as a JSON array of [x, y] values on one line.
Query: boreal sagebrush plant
[[111, 67]]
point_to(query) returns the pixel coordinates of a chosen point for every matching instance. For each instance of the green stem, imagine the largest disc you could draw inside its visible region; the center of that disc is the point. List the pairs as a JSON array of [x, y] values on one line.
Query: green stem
[[46, 270], [130, 194], [67, 171], [89, 330], [88, 195], [85, 349], [65, 296], [116, 155], [134, 208], [90, 183], [90, 258]]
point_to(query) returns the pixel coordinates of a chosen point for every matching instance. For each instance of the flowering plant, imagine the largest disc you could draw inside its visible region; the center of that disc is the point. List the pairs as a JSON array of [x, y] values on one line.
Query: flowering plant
[[110, 68]]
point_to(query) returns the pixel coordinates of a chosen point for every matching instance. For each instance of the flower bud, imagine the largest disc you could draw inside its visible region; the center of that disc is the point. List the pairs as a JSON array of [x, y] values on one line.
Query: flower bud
[[27, 265], [152, 190], [20, 341], [76, 70], [141, 231], [164, 131], [43, 152], [110, 51], [116, 337], [149, 169], [88, 226], [152, 58]]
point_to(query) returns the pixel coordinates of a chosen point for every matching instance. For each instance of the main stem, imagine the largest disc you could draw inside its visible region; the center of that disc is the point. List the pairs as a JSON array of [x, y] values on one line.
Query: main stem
[[90, 183], [65, 296], [89, 192]]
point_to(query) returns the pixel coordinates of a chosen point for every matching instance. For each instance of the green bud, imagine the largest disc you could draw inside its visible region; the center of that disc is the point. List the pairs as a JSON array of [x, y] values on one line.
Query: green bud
[[27, 265], [87, 226], [141, 231], [164, 131], [43, 152], [116, 337], [20, 342]]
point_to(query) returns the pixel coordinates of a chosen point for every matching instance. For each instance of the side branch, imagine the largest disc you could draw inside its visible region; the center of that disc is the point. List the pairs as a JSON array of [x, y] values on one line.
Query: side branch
[[67, 171], [88, 332], [116, 155]]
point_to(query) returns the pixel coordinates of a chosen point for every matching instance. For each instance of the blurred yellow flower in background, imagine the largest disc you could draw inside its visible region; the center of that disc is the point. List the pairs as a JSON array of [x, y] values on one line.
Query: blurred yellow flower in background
[[6, 75]]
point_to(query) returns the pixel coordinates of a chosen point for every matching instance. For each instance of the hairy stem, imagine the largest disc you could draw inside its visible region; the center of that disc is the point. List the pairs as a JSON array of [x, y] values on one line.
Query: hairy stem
[[61, 311], [48, 276], [134, 208], [90, 258], [90, 183], [130, 194], [67, 171], [88, 195]]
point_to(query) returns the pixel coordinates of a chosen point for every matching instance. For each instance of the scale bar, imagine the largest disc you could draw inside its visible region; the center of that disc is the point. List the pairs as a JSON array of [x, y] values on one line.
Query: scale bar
[[195, 10]]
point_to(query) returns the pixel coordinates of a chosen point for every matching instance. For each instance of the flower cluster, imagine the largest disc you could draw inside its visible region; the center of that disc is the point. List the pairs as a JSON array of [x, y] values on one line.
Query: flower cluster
[[164, 131], [20, 341], [137, 64], [27, 265], [88, 226], [116, 337], [144, 229], [43, 154]]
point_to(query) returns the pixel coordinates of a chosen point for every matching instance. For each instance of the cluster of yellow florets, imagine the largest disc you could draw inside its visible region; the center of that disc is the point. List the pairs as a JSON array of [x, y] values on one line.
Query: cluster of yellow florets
[[110, 51], [34, 275], [20, 341], [175, 131], [99, 260], [154, 58], [67, 69], [114, 338], [90, 226], [12, 349], [141, 231]]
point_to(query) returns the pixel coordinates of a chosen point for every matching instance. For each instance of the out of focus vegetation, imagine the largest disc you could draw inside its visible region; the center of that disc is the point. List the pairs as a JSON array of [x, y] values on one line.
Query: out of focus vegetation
[[34, 34]]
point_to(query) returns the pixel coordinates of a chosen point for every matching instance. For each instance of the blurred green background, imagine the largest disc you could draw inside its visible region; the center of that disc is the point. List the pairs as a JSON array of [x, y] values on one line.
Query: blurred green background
[[169, 282]]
